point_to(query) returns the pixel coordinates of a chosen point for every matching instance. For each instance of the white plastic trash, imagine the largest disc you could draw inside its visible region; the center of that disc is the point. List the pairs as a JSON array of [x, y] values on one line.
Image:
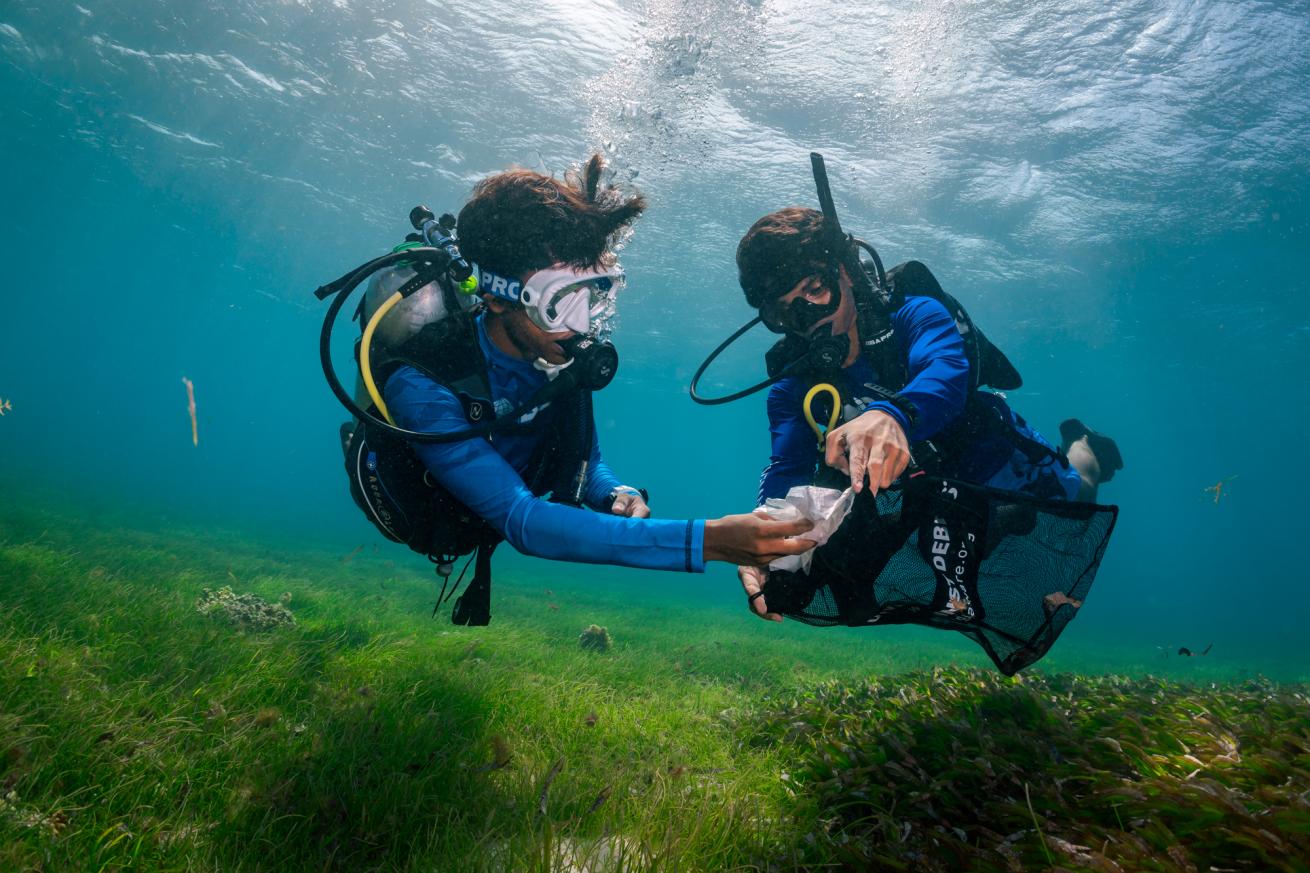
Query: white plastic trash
[[827, 508]]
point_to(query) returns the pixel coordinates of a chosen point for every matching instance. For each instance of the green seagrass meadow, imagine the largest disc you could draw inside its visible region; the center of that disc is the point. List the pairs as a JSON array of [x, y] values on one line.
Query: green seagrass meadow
[[204, 701]]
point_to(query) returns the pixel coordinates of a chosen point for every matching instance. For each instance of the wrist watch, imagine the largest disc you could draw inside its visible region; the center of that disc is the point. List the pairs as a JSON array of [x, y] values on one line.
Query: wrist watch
[[624, 489]]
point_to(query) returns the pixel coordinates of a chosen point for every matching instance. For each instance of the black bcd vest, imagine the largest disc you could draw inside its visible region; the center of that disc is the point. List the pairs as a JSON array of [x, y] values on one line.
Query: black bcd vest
[[390, 483]]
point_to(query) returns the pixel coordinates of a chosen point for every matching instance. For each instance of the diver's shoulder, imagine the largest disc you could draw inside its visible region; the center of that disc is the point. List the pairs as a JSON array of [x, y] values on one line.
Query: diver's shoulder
[[409, 380], [918, 306]]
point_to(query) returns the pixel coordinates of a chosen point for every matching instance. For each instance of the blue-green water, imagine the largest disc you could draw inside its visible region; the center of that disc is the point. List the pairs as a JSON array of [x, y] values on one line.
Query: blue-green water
[[1117, 191]]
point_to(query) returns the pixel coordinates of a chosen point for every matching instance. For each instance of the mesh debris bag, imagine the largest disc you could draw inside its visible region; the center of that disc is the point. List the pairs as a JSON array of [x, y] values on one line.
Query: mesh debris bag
[[1005, 569]]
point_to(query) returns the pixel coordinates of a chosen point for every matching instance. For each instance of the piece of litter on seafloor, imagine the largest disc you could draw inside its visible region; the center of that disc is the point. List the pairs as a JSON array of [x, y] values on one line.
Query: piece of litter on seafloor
[[191, 409]]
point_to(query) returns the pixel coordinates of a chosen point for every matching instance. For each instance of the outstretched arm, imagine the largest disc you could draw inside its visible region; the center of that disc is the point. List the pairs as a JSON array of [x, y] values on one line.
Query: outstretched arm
[[482, 480]]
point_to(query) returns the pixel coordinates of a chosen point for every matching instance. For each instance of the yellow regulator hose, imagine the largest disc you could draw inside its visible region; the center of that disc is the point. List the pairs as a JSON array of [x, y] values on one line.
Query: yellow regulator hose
[[821, 388], [365, 368]]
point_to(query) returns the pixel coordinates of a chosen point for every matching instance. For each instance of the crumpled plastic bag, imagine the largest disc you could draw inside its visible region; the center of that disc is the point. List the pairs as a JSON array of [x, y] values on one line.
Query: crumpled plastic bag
[[827, 508]]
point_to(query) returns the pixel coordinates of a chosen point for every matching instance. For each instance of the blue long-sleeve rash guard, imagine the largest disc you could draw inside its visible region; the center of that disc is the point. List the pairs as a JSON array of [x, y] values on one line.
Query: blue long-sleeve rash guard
[[938, 387], [487, 476]]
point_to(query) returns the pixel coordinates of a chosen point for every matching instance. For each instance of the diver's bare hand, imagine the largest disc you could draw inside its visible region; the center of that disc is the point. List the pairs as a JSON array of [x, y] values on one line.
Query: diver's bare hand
[[630, 506], [753, 539], [872, 445], [752, 582]]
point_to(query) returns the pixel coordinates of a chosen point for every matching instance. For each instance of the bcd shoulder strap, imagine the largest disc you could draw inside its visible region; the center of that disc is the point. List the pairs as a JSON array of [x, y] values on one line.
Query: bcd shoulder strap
[[988, 365], [448, 353]]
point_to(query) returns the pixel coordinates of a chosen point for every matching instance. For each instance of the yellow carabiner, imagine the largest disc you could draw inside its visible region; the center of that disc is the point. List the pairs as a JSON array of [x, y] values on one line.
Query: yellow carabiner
[[821, 388]]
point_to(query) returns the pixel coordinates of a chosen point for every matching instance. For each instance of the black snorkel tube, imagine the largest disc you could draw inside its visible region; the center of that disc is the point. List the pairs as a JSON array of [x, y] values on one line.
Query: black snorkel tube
[[824, 191], [593, 363], [843, 245], [821, 353]]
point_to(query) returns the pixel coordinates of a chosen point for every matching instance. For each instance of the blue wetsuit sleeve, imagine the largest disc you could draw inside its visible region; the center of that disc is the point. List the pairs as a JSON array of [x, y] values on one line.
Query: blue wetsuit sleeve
[[793, 451], [475, 473], [938, 367], [600, 478]]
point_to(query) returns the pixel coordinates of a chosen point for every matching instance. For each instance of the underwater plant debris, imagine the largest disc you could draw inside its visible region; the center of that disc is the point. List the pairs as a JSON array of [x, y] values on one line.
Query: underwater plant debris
[[191, 409], [1217, 489], [247, 611]]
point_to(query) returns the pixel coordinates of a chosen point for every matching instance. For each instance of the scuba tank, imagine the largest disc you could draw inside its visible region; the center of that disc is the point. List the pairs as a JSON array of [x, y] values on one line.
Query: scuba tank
[[431, 303]]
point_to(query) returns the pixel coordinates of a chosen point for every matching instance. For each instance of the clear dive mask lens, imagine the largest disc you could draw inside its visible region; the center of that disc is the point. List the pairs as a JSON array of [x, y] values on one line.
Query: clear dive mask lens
[[563, 299], [570, 297]]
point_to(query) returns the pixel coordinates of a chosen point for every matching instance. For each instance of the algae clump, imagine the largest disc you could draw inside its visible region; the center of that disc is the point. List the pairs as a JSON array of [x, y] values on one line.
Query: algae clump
[[595, 639], [246, 611]]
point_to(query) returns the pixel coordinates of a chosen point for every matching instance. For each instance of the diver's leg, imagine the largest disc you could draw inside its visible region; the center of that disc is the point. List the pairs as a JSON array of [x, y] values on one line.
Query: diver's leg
[[1094, 455], [1083, 459]]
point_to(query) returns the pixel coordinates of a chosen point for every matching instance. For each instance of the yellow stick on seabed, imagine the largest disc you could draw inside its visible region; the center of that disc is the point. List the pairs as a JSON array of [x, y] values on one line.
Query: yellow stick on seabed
[[191, 408]]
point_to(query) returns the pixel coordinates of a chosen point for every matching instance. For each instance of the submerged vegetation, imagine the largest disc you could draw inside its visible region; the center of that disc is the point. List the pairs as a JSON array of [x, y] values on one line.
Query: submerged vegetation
[[137, 733], [957, 769]]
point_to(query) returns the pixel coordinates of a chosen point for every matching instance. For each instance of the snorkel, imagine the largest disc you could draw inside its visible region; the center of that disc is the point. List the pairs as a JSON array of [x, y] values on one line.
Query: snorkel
[[821, 351], [434, 256]]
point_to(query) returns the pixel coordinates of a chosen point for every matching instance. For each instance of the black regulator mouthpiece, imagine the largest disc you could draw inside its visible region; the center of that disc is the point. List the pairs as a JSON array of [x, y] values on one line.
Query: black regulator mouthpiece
[[440, 233], [595, 361], [821, 354], [826, 354]]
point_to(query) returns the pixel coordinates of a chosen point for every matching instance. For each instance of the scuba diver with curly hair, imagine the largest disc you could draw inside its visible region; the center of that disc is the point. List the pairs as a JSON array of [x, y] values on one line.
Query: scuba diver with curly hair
[[479, 356]]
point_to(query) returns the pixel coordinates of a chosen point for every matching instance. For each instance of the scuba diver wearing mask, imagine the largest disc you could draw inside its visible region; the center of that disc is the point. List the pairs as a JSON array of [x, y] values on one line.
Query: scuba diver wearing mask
[[970, 520], [472, 410]]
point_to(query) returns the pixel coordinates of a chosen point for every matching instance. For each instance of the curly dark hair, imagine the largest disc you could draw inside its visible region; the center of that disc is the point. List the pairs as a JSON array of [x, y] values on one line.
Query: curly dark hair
[[779, 250], [520, 220]]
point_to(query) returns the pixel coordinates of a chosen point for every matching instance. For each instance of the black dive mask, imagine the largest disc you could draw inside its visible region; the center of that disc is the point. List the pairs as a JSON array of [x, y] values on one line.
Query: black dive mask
[[800, 315], [595, 361]]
